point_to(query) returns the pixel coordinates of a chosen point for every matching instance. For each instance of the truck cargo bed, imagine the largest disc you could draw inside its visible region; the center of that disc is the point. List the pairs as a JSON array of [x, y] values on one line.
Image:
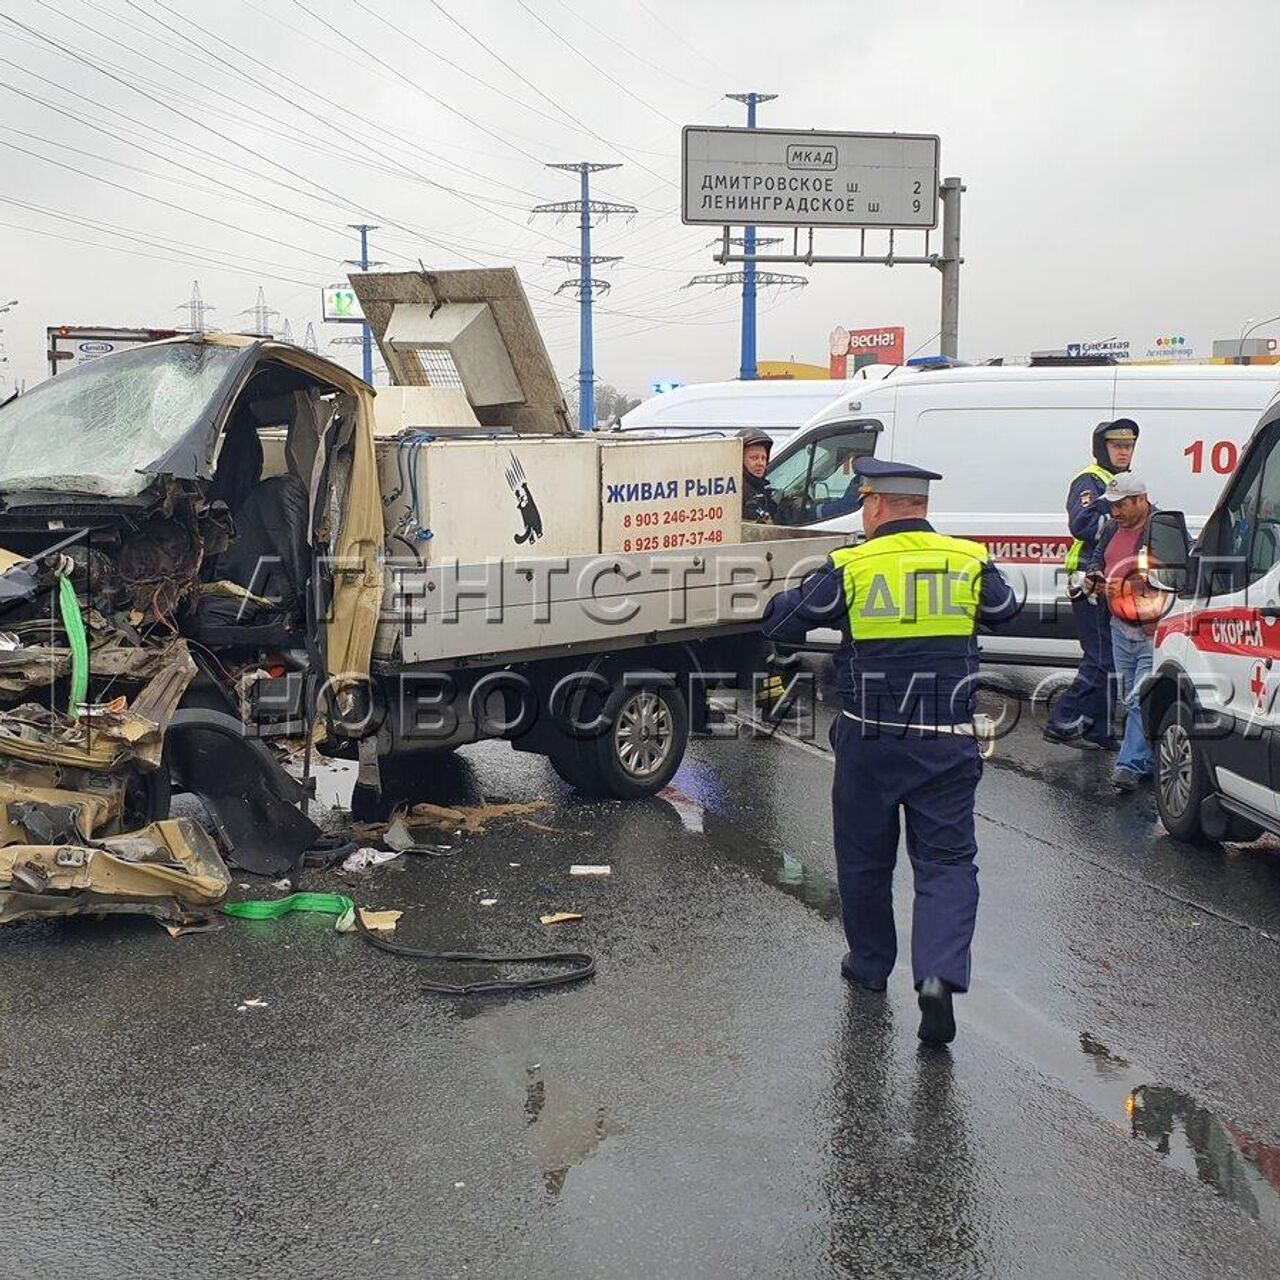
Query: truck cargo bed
[[516, 608]]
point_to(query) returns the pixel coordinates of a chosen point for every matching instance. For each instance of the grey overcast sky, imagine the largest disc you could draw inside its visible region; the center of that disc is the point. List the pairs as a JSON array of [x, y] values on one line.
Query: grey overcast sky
[[1120, 160]]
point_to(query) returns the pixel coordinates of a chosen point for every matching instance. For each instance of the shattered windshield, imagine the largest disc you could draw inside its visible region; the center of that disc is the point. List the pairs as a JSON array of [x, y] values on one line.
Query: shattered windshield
[[95, 429]]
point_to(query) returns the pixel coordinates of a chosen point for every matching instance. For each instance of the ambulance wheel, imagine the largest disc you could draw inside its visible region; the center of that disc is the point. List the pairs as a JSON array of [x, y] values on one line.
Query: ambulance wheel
[[1242, 831], [639, 751], [1182, 776]]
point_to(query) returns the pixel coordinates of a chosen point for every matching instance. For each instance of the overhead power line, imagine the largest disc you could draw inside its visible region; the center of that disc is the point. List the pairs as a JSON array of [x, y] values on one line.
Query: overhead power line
[[78, 57], [413, 84], [627, 49], [542, 22], [335, 198], [523, 103], [142, 253], [470, 196], [241, 261], [168, 204], [99, 127], [515, 71], [671, 31]]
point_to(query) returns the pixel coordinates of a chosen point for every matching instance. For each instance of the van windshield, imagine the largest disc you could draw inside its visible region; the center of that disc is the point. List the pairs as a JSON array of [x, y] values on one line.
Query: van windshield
[[98, 428]]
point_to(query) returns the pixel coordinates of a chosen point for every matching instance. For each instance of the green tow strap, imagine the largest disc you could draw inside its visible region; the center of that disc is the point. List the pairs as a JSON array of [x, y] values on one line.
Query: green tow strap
[[329, 904], [73, 624], [338, 904]]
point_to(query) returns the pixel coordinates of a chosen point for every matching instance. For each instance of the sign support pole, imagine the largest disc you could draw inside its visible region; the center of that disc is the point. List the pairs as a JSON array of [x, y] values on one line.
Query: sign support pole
[[747, 362], [949, 265]]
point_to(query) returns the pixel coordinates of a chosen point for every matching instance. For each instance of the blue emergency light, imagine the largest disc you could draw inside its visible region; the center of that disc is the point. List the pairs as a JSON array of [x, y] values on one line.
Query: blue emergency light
[[936, 362]]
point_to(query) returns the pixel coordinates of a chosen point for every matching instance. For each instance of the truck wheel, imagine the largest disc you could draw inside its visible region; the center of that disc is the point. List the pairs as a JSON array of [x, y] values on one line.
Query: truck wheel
[[146, 798], [638, 753], [566, 761], [1182, 776]]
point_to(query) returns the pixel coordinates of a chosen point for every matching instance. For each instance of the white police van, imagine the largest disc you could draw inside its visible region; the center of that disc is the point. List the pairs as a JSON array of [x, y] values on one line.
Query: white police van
[[1211, 704], [1008, 440]]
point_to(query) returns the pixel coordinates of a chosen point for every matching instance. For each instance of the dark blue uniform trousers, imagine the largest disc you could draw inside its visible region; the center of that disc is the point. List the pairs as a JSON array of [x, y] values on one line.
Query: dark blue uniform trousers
[[932, 781], [1086, 705]]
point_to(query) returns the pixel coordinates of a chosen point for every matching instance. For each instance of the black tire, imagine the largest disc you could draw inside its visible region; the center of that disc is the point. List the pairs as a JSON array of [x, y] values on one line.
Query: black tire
[[566, 761], [639, 751], [1182, 781], [147, 798], [1242, 831]]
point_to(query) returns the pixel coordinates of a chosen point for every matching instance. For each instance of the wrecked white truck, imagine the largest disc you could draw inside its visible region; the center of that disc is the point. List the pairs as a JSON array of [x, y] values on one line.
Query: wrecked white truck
[[214, 541]]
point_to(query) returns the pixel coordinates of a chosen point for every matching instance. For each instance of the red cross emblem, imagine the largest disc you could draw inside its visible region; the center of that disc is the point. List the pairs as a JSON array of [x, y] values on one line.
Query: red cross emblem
[[1258, 686]]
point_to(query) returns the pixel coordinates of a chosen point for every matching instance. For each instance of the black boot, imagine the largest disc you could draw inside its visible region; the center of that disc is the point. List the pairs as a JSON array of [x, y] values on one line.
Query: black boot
[[937, 1020], [847, 973]]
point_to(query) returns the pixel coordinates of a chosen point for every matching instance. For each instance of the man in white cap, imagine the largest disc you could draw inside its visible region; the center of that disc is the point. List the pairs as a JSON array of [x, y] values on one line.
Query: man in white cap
[[1116, 574]]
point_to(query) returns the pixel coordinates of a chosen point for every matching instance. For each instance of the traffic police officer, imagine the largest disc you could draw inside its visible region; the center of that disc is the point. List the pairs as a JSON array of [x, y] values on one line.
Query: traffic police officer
[[1082, 716], [908, 601]]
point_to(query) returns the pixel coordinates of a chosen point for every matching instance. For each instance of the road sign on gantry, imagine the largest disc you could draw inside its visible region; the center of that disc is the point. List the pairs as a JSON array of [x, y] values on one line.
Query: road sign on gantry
[[777, 177]]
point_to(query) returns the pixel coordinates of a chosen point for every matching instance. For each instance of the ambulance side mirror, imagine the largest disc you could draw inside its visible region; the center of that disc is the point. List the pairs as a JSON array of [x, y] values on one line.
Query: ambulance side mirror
[[1167, 547]]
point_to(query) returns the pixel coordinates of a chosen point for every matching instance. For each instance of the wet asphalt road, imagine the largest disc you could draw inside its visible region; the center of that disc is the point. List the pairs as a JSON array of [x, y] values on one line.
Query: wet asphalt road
[[716, 1101]]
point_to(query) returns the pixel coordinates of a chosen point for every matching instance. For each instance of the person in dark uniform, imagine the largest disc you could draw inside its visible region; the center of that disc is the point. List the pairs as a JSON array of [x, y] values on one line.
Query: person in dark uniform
[[1082, 716], [759, 502], [909, 602]]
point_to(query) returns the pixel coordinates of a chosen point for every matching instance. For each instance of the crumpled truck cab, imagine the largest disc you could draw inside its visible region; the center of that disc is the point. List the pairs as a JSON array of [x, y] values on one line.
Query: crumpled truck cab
[[183, 527]]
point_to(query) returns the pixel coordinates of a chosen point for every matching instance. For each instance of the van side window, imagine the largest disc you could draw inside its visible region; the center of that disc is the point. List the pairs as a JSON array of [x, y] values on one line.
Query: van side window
[[1232, 553], [817, 482], [1264, 520]]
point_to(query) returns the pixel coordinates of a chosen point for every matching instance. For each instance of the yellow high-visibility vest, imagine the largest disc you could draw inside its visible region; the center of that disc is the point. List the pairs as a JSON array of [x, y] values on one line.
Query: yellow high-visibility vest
[[903, 586], [1072, 562]]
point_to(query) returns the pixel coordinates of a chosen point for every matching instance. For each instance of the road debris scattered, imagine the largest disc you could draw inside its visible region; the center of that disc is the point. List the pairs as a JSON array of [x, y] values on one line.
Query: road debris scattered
[[402, 837], [474, 820], [330, 904], [363, 859], [561, 917], [380, 921], [589, 869]]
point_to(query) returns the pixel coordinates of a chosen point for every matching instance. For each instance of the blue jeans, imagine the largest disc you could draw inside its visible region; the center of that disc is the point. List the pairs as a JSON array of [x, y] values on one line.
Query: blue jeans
[[1133, 651]]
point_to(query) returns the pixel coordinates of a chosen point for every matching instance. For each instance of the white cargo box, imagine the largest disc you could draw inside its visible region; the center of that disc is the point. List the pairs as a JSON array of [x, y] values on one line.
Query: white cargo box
[[524, 608], [397, 409], [472, 501], [666, 495]]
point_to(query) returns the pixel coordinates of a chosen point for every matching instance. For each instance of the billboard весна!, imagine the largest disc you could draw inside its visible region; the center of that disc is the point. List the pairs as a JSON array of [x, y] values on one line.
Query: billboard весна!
[[850, 349]]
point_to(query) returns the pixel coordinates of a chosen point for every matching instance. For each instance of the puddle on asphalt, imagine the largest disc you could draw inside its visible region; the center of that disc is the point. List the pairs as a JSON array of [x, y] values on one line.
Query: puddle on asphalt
[[1237, 1165], [565, 1125], [736, 845], [1240, 1167]]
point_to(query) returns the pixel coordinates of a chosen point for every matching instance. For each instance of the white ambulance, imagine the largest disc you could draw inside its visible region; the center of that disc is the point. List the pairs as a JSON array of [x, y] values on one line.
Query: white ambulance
[[1008, 440], [1211, 702], [779, 406]]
